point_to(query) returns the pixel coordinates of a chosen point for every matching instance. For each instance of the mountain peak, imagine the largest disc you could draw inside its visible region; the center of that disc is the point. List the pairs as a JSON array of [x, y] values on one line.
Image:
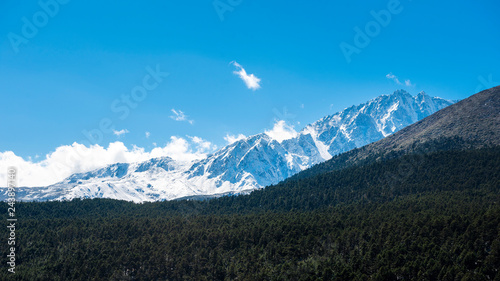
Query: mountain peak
[[400, 92], [401, 95], [470, 123], [251, 163]]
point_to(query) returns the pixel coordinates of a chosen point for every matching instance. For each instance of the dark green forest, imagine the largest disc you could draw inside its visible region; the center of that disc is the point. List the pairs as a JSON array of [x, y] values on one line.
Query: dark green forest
[[433, 216]]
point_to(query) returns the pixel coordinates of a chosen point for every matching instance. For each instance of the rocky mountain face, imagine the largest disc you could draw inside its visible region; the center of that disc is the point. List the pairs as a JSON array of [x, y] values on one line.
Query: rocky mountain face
[[469, 124], [250, 163]]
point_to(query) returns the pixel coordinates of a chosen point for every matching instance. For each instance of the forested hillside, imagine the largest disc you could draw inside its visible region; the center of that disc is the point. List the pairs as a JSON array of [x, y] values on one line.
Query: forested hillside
[[418, 217]]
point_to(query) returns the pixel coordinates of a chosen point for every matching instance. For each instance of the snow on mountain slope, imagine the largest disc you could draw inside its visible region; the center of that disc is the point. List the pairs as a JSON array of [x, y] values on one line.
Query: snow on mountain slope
[[359, 125], [247, 164]]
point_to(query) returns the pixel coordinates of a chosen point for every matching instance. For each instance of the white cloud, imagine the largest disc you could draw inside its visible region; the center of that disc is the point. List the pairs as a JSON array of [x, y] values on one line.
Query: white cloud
[[281, 131], [181, 149], [393, 77], [148, 134], [251, 80], [78, 158], [121, 132], [396, 80], [180, 116], [203, 146], [408, 83], [232, 138]]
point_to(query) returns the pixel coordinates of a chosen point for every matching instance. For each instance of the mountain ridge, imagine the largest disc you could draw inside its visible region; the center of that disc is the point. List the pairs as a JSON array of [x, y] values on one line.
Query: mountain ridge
[[472, 123], [248, 164]]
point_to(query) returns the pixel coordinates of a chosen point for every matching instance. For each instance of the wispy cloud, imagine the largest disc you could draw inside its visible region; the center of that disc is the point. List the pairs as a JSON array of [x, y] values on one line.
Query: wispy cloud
[[180, 116], [202, 145], [233, 138], [148, 134], [393, 77], [120, 132], [251, 80], [396, 80]]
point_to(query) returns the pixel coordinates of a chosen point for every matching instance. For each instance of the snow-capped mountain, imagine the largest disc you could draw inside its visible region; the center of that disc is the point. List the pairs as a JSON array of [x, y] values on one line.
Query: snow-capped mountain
[[250, 163]]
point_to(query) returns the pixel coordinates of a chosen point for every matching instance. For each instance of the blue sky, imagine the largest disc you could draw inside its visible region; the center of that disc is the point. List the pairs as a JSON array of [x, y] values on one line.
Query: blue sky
[[63, 77]]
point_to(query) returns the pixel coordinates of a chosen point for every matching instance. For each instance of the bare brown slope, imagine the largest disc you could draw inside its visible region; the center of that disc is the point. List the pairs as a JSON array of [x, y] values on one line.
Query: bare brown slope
[[471, 123]]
